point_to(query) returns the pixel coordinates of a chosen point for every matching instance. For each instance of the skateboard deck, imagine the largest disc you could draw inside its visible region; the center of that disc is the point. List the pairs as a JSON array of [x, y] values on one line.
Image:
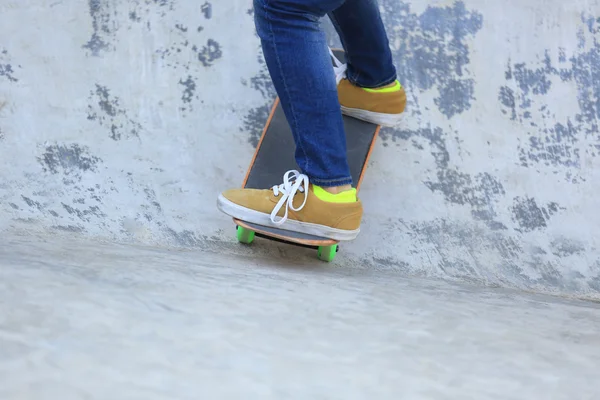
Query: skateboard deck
[[274, 156]]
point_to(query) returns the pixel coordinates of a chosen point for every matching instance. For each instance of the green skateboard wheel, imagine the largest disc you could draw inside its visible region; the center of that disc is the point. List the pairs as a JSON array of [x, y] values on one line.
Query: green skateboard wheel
[[244, 235], [327, 253]]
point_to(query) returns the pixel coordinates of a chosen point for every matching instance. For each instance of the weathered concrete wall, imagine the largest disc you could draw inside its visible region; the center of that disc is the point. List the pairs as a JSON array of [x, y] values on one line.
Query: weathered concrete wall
[[124, 120]]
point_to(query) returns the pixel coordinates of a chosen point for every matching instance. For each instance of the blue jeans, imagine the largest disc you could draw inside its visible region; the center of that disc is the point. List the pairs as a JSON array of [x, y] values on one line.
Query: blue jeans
[[297, 57]]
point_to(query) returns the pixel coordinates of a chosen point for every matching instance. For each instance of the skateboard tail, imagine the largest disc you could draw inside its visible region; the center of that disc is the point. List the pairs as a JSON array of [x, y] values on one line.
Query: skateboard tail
[[262, 136]]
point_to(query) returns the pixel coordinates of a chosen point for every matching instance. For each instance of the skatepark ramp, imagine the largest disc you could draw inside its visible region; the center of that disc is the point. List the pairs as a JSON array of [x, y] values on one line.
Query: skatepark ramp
[[123, 120]]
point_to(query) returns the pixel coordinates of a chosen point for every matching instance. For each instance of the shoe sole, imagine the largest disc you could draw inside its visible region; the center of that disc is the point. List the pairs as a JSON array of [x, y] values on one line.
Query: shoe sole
[[248, 215], [386, 120]]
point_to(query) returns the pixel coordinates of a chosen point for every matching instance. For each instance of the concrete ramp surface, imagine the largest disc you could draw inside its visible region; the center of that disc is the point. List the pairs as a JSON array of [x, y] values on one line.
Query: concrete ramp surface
[[125, 119], [121, 121]]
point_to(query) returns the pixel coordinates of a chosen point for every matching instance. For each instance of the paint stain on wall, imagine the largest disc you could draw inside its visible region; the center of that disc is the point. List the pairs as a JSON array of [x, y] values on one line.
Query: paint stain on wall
[[169, 4], [189, 91], [431, 51], [69, 163], [6, 68], [530, 216], [181, 28], [207, 10], [208, 53], [565, 247], [133, 16], [188, 54], [106, 110], [6, 71], [103, 26], [68, 159], [558, 144], [254, 121], [482, 192], [462, 251], [84, 214], [151, 213], [106, 20], [32, 203]]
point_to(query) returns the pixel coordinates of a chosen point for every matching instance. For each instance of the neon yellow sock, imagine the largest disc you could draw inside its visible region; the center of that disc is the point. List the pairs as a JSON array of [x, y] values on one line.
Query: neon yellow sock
[[348, 196], [396, 86]]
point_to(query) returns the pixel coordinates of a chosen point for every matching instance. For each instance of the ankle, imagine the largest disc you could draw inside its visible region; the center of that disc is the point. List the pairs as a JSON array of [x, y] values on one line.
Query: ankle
[[337, 189], [389, 88], [389, 85], [335, 194]]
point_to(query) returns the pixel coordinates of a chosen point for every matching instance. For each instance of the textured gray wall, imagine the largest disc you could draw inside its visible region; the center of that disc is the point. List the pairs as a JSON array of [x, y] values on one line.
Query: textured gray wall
[[125, 119]]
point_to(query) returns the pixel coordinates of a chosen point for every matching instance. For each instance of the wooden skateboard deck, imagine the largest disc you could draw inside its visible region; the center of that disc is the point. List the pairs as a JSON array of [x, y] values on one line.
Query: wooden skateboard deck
[[274, 156]]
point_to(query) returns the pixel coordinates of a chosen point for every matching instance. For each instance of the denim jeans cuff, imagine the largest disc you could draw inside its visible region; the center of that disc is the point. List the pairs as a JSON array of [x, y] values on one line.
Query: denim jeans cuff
[[331, 182], [355, 80]]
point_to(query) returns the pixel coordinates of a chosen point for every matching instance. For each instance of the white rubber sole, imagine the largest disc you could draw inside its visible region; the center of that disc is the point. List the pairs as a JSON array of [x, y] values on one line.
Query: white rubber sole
[[248, 215], [387, 120]]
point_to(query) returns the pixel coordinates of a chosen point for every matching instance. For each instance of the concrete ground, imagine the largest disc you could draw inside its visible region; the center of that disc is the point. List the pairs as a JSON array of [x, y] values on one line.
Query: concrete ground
[[89, 320]]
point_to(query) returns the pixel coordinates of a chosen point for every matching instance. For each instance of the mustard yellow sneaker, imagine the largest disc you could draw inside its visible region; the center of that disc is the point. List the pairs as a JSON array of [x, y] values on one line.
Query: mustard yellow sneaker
[[382, 106], [294, 206]]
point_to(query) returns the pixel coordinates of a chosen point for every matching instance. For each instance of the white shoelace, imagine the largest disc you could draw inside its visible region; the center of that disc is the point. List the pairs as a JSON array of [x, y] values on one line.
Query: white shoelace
[[339, 68], [289, 187]]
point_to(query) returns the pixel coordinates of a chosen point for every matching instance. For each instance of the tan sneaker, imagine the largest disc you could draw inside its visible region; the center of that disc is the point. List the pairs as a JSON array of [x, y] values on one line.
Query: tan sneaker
[[290, 206], [382, 106]]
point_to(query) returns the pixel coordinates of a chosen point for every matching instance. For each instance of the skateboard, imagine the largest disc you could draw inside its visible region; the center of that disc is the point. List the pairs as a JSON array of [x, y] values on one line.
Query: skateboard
[[274, 156]]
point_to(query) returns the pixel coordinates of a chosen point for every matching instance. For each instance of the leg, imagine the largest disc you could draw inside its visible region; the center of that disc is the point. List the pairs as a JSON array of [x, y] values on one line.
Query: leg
[[363, 35], [370, 90], [297, 56], [320, 200]]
